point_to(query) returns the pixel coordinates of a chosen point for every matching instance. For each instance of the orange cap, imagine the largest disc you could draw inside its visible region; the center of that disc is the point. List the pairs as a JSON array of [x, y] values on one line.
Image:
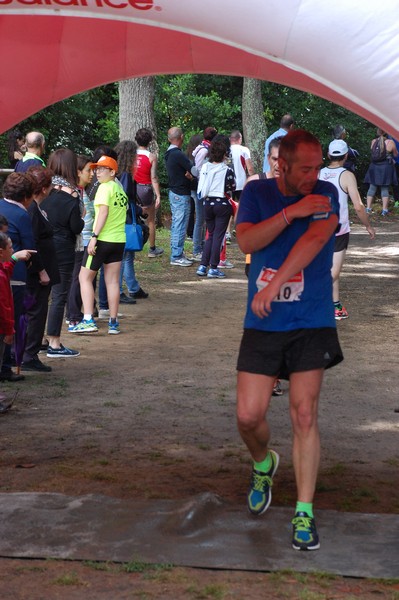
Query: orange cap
[[106, 161]]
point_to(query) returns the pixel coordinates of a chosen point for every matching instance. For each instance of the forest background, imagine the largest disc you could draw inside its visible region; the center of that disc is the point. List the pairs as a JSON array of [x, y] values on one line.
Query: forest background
[[190, 101]]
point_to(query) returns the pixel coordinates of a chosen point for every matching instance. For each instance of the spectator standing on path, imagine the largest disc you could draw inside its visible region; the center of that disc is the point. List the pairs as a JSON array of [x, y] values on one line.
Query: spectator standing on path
[[34, 143], [146, 178], [126, 153], [242, 163], [43, 272], [199, 155], [178, 168], [62, 207], [8, 260], [288, 225], [340, 133], [216, 184], [286, 124], [105, 247], [346, 184], [381, 172], [17, 190], [74, 304], [396, 187]]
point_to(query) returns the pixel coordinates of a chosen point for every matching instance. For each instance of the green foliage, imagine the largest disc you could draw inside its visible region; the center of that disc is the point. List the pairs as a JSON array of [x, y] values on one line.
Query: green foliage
[[191, 102], [80, 122], [318, 116]]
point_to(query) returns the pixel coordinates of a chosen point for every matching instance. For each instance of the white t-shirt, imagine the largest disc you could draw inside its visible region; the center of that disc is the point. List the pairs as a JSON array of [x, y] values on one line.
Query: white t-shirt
[[239, 155]]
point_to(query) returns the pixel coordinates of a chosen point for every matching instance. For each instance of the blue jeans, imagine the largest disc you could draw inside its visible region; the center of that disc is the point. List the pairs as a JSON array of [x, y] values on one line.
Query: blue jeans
[[128, 274], [180, 207], [199, 229]]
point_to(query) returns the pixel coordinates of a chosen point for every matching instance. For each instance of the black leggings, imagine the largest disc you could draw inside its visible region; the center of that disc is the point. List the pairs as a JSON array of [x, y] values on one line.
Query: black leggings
[[217, 216]]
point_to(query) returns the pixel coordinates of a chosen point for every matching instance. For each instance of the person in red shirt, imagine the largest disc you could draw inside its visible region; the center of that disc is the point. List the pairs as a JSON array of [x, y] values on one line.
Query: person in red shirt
[[7, 262], [145, 176]]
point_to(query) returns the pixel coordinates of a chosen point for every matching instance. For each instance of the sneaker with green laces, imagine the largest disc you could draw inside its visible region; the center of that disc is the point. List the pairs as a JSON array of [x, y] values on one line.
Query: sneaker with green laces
[[260, 489], [85, 326], [304, 535]]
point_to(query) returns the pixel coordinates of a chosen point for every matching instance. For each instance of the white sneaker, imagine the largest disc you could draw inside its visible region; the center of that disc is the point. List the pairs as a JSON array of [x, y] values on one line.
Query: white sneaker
[[181, 262], [196, 257], [225, 264]]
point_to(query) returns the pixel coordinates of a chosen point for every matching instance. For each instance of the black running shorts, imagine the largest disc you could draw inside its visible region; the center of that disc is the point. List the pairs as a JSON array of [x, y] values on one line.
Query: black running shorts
[[341, 242], [279, 353], [106, 252]]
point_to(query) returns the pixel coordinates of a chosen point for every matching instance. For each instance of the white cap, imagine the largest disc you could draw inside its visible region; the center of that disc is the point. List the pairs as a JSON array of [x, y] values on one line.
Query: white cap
[[337, 148]]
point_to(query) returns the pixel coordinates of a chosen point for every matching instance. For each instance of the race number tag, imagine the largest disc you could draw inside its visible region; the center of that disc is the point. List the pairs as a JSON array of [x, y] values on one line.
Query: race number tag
[[291, 290]]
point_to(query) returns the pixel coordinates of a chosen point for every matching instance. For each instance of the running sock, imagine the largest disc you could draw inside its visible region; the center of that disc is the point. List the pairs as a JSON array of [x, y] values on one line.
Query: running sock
[[87, 317], [112, 321], [338, 305], [306, 507], [152, 248], [265, 465]]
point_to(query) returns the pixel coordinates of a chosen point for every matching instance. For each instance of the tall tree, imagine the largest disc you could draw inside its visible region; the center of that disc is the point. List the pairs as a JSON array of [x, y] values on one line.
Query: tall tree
[[253, 121], [136, 106]]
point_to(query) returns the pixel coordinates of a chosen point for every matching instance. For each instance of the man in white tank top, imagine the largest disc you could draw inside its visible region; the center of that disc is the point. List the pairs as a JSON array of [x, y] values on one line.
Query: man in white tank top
[[346, 184]]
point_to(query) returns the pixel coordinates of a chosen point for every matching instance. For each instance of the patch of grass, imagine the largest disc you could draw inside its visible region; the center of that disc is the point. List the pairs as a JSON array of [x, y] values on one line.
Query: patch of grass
[[337, 469], [98, 566], [137, 566], [103, 462], [97, 476], [322, 486], [209, 592], [366, 493], [31, 569], [68, 579], [392, 462], [204, 447], [60, 383], [110, 404]]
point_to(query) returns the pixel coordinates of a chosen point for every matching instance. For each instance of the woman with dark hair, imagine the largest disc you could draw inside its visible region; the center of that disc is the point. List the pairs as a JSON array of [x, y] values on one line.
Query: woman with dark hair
[[126, 153], [74, 303], [216, 182], [43, 272], [17, 190], [145, 175], [16, 146], [63, 212], [381, 172]]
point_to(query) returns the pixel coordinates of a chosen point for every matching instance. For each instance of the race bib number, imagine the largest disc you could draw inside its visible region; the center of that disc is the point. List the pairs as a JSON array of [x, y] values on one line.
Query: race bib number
[[290, 291]]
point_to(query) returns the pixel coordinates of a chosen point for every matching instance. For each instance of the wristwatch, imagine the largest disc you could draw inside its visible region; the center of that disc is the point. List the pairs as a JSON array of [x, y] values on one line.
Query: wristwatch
[[94, 235]]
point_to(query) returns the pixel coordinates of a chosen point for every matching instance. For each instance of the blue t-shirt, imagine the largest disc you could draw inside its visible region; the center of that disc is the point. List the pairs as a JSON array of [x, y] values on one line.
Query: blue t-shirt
[[306, 300]]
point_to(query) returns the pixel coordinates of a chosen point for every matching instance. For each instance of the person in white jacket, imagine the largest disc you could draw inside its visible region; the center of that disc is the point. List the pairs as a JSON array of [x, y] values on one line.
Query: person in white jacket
[[216, 181]]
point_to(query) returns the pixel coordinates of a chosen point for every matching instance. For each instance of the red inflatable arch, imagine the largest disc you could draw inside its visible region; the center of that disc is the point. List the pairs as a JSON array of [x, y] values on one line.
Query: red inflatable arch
[[346, 51]]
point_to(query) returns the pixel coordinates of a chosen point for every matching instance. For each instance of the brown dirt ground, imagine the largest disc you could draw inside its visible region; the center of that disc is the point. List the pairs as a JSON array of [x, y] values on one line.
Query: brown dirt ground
[[150, 414]]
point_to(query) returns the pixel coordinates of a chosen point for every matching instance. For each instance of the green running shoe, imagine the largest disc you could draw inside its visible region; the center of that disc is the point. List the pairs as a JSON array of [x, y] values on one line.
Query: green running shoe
[[305, 534], [260, 489]]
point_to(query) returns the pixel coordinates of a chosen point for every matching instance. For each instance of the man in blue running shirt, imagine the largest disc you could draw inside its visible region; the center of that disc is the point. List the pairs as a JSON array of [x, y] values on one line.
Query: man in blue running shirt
[[287, 224]]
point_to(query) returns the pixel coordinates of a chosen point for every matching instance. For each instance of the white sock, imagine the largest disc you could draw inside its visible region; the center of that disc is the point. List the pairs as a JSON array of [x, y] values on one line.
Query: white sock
[[87, 317]]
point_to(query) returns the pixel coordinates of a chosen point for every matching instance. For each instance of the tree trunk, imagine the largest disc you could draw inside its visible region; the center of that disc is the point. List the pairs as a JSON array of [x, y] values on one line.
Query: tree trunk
[[136, 106], [253, 122]]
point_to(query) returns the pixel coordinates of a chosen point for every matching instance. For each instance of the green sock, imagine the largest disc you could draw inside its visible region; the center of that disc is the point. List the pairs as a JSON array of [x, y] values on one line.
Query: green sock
[[265, 465], [306, 507]]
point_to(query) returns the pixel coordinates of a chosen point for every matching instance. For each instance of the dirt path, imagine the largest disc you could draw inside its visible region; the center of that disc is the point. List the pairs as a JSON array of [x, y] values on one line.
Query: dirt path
[[150, 413]]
